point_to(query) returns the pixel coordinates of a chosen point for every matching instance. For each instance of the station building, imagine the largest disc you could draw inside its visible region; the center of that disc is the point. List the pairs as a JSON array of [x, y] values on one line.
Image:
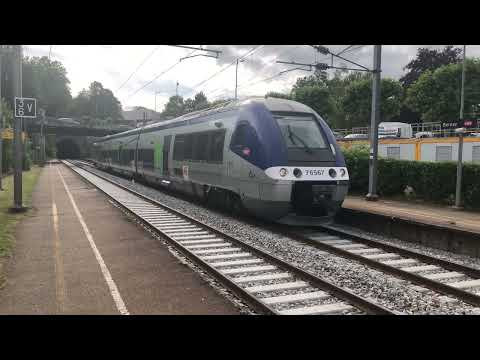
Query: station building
[[427, 149]]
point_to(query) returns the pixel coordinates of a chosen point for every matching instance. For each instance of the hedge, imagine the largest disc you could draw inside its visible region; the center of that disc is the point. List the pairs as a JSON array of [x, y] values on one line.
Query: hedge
[[431, 181]]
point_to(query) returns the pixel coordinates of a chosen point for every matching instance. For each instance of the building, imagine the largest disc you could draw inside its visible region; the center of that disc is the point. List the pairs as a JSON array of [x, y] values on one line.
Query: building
[[139, 116]]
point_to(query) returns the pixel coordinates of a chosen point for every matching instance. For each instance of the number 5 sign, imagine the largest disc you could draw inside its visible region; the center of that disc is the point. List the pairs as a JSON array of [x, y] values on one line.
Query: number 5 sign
[[25, 107]]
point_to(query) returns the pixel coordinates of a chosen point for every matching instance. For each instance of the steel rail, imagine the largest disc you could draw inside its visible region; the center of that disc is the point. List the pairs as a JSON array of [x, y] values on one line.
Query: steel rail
[[437, 286], [361, 303]]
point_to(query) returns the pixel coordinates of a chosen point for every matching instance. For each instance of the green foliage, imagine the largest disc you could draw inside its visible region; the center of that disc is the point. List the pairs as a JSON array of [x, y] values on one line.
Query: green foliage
[[174, 107], [318, 98], [431, 181], [177, 106], [278, 95], [96, 102], [47, 81], [428, 59], [317, 79], [436, 94], [7, 114], [357, 102]]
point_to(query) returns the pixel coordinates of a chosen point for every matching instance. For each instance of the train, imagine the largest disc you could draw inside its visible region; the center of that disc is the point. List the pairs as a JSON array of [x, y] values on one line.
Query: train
[[276, 159]]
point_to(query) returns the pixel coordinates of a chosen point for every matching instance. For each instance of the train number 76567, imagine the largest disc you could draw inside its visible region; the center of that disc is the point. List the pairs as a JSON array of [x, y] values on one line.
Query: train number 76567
[[314, 172]]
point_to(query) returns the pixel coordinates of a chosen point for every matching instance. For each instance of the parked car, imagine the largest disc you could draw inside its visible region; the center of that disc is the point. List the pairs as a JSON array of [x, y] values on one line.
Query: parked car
[[395, 129], [424, 134], [337, 135], [357, 136]]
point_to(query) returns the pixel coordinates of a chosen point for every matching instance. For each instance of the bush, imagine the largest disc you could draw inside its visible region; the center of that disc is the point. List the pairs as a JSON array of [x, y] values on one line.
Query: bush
[[432, 181]]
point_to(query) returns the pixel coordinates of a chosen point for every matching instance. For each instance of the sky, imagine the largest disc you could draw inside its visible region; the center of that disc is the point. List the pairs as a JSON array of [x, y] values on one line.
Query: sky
[[146, 75]]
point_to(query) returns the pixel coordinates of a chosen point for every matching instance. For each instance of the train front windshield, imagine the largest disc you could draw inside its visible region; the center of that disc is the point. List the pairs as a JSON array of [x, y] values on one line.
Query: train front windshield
[[301, 132]]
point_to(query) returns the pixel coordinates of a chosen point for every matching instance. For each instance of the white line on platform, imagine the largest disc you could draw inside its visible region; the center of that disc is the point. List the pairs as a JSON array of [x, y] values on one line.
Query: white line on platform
[[117, 298]]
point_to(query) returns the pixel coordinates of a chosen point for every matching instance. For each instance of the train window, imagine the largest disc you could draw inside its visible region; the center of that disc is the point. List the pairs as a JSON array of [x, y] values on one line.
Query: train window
[[178, 147], [200, 146], [188, 147], [301, 131], [245, 141], [146, 156], [216, 146]]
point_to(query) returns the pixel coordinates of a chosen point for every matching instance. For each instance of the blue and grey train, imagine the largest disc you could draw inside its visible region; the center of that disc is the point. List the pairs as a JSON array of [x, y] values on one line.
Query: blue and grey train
[[275, 158]]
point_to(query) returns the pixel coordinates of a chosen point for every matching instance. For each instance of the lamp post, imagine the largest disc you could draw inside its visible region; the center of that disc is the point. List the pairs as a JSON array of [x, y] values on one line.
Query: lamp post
[[375, 114], [460, 132], [1, 121], [236, 77], [156, 93], [375, 117]]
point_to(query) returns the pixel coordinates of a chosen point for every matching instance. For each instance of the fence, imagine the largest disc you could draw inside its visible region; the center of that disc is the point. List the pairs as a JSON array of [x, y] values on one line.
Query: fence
[[431, 127]]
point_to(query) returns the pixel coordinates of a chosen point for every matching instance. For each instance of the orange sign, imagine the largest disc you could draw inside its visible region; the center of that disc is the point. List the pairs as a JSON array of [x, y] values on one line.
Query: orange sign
[[7, 134]]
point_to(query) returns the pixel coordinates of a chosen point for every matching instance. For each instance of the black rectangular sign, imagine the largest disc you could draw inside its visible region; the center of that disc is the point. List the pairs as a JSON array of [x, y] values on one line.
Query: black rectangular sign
[[25, 107]]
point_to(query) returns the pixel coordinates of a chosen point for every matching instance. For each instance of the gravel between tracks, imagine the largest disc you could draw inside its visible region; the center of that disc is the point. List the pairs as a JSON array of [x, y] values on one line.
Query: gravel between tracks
[[391, 292]]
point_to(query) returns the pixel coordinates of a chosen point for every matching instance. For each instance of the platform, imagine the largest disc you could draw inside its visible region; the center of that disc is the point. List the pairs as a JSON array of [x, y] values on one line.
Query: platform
[[418, 211], [78, 254]]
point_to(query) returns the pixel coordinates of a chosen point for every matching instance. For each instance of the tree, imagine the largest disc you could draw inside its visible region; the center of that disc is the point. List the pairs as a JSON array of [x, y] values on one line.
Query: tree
[[278, 95], [200, 102], [357, 101], [47, 81], [318, 98], [97, 102], [174, 107], [318, 78], [436, 94], [428, 59]]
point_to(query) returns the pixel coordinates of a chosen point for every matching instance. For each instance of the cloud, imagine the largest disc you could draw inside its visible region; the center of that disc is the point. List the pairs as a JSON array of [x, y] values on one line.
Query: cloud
[[113, 64]]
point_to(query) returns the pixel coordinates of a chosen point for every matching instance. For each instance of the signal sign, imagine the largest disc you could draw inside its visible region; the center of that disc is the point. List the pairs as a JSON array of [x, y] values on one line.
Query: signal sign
[[25, 107]]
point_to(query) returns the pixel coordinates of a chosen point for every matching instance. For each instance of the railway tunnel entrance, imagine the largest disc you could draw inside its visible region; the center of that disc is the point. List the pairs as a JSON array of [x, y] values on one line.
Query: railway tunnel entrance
[[68, 149]]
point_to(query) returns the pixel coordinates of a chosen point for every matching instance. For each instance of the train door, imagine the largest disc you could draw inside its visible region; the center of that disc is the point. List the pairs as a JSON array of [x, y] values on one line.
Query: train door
[[166, 152], [245, 144]]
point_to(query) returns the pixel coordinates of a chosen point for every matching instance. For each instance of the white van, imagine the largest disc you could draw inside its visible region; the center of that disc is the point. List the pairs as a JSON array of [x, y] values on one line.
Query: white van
[[395, 129]]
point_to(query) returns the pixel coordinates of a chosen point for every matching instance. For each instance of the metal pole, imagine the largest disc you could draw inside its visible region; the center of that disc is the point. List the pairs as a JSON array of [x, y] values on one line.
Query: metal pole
[[42, 140], [1, 122], [236, 80], [458, 193], [17, 137], [375, 117]]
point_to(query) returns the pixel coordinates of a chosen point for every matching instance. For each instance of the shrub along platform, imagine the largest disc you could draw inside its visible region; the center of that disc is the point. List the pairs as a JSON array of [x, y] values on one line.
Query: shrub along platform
[[430, 181]]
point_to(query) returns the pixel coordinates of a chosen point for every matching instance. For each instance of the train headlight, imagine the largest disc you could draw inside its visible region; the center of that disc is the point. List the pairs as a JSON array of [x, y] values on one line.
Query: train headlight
[[297, 172], [342, 172], [283, 172], [332, 173]]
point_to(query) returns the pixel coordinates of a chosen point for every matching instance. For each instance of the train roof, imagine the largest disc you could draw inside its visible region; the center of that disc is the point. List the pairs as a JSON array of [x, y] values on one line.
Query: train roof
[[272, 104]]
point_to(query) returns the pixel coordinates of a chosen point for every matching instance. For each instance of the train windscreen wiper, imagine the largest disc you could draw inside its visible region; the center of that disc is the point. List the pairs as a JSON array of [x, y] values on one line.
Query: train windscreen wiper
[[291, 134]]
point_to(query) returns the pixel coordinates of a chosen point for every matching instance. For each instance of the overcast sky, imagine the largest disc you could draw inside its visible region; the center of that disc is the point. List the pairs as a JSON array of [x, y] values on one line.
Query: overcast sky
[[113, 65]]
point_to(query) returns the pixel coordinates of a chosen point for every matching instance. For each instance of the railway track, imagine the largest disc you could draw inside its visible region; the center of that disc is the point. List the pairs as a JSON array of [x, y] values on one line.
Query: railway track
[[427, 272], [265, 282]]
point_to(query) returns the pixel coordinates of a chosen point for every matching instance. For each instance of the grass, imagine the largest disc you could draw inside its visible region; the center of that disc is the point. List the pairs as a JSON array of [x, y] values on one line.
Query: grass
[[7, 219]]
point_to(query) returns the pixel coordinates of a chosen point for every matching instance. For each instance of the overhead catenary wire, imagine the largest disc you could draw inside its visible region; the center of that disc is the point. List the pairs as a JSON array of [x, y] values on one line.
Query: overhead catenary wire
[[139, 66], [156, 77], [254, 77], [224, 68]]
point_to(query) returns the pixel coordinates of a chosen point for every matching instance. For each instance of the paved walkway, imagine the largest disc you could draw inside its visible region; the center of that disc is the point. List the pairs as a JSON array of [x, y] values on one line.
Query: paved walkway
[[77, 254], [411, 210]]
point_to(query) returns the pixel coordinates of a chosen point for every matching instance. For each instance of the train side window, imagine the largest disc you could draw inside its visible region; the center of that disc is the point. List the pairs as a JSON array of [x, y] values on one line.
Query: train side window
[[188, 147], [200, 146], [146, 155], [244, 140], [216, 146], [178, 147]]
